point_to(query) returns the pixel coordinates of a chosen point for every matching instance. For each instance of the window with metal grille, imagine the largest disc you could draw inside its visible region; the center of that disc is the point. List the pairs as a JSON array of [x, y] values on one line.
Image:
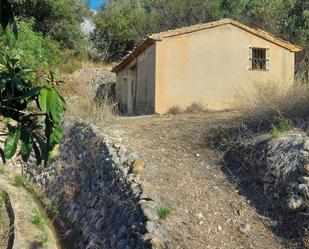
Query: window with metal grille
[[259, 59]]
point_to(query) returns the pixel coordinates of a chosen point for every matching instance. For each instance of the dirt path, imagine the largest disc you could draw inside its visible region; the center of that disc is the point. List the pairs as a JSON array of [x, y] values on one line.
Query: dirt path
[[184, 174], [27, 234]]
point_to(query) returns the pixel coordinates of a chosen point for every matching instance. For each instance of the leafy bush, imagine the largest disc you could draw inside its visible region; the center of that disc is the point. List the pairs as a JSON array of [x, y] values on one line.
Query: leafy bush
[[59, 19], [36, 51], [33, 109], [119, 26]]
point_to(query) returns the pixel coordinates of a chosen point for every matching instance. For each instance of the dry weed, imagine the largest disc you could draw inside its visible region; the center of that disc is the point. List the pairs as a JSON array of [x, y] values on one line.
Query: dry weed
[[82, 103], [269, 102], [196, 107], [174, 110]]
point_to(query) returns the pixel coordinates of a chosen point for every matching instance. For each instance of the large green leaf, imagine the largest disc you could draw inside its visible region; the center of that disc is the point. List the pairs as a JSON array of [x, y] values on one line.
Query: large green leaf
[[26, 145], [10, 144], [43, 99], [56, 106], [51, 102], [56, 134]]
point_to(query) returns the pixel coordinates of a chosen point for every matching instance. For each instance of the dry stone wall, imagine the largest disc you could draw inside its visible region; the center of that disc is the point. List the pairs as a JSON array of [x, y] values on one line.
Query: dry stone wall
[[95, 182]]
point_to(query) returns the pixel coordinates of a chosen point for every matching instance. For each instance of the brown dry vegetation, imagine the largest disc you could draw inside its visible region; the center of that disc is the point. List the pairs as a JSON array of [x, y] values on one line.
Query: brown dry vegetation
[[80, 97], [269, 102]]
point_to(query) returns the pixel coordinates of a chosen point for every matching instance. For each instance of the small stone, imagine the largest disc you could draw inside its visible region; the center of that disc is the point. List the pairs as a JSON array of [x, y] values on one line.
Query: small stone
[[294, 204], [94, 239], [150, 226], [131, 158], [306, 168], [138, 167], [200, 216], [135, 189], [151, 241], [306, 145], [151, 213], [305, 156], [303, 189], [220, 228], [157, 244], [244, 228], [121, 152], [122, 244], [305, 180], [117, 145], [99, 224], [122, 232]]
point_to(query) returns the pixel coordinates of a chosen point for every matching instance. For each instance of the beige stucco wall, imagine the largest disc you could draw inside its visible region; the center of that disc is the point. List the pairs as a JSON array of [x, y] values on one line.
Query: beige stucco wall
[[209, 66], [143, 94]]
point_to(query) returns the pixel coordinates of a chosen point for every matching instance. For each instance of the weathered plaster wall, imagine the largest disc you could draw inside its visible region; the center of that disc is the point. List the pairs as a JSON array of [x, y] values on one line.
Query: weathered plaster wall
[[208, 66], [99, 196], [142, 95], [146, 68]]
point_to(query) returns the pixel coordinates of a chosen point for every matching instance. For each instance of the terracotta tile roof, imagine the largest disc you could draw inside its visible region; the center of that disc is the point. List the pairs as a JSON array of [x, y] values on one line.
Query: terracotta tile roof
[[185, 30]]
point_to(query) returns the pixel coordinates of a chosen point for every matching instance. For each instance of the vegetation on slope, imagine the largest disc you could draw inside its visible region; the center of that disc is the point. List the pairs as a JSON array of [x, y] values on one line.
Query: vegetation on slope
[[32, 107], [122, 23]]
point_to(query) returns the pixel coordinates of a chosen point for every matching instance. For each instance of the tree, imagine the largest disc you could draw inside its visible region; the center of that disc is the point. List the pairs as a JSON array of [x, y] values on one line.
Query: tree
[[120, 25], [32, 110], [171, 14], [59, 19]]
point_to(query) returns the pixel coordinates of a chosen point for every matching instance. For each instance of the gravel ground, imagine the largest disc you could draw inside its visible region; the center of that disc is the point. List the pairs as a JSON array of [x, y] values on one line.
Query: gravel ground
[[183, 173]]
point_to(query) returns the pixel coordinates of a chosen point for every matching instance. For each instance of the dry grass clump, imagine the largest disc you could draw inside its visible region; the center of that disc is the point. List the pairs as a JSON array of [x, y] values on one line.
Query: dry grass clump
[[174, 110], [196, 107], [81, 101], [270, 102]]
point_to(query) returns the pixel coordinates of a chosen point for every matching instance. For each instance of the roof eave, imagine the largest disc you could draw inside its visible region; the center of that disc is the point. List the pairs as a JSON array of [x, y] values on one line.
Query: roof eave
[[136, 52]]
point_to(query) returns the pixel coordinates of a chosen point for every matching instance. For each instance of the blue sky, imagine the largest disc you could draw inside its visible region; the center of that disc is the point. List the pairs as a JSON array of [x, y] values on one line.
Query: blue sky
[[96, 4]]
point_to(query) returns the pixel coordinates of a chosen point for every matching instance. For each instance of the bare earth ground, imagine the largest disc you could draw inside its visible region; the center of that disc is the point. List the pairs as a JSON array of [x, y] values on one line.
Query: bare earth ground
[[184, 173], [27, 235]]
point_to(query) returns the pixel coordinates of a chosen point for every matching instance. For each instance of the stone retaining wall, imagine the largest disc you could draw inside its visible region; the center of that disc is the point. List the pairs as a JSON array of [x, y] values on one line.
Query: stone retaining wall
[[96, 185]]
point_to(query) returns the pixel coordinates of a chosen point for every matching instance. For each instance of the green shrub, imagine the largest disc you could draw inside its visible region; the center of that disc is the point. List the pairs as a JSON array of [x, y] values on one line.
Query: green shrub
[[282, 127], [2, 169], [35, 50], [3, 198], [44, 240], [19, 181], [38, 219], [54, 210], [164, 213]]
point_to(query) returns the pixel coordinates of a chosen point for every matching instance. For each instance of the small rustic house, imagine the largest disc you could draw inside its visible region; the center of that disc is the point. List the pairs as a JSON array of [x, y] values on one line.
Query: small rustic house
[[203, 63]]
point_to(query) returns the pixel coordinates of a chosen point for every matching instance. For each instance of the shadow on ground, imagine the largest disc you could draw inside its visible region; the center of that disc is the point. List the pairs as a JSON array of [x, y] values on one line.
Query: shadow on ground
[[288, 227], [36, 245]]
